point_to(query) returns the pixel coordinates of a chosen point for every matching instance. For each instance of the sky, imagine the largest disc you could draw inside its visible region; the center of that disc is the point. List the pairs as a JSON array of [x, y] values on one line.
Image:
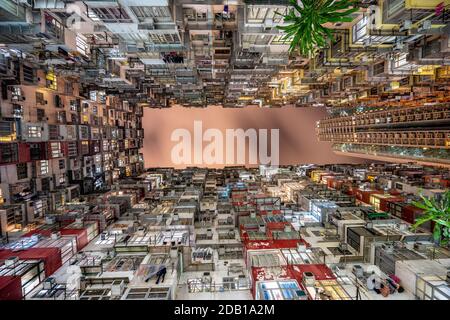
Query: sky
[[298, 143]]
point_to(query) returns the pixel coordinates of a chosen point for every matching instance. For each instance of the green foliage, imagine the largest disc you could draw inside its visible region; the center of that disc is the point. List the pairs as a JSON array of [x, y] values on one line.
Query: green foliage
[[306, 22], [439, 213]]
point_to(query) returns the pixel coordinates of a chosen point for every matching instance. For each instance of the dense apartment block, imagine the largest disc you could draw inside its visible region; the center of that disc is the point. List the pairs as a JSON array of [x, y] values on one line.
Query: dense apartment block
[[60, 140], [81, 218], [303, 232]]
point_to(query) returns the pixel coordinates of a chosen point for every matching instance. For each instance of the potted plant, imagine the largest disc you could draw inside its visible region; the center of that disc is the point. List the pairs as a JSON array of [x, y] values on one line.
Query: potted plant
[[306, 19], [437, 211]]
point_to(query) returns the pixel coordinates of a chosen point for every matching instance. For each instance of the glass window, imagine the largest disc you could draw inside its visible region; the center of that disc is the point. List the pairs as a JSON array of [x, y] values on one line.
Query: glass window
[[22, 171], [43, 167], [360, 30], [34, 132], [56, 150]]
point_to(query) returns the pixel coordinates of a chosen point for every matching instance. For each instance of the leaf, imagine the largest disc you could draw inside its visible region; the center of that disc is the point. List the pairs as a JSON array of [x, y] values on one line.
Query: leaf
[[437, 233], [306, 27]]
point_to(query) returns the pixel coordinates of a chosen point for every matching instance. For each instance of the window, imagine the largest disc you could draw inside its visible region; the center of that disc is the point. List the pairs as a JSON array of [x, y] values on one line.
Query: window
[[62, 164], [84, 132], [56, 150], [22, 171], [71, 134], [109, 15], [53, 26], [84, 147], [9, 152], [157, 13], [40, 114], [17, 110], [68, 88], [45, 184], [74, 105], [360, 30], [50, 79], [62, 178], [72, 149], [81, 43], [35, 151], [28, 74], [95, 133], [61, 117], [394, 6], [34, 132], [53, 132], [43, 167], [7, 131], [58, 102], [1, 197], [378, 68], [40, 98]]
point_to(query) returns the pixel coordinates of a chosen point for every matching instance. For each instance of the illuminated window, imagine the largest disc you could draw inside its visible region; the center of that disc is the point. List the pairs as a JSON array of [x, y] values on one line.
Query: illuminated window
[[93, 95], [43, 167], [51, 80], [1, 196], [56, 150], [34, 132], [84, 147], [7, 131], [62, 178]]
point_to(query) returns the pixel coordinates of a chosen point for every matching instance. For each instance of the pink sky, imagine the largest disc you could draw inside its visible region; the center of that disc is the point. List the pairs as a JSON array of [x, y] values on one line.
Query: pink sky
[[298, 142]]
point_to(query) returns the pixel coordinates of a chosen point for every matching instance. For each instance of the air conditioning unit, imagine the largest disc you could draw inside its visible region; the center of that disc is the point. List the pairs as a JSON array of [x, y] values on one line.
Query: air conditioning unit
[[309, 280], [50, 220], [117, 288], [358, 271], [55, 235], [405, 25], [49, 283], [425, 25], [301, 247], [206, 278], [343, 246], [140, 231], [262, 228], [268, 24], [388, 247], [173, 252]]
